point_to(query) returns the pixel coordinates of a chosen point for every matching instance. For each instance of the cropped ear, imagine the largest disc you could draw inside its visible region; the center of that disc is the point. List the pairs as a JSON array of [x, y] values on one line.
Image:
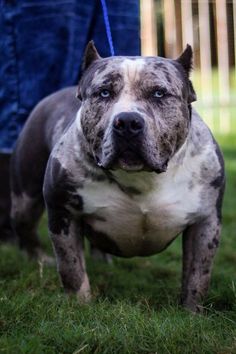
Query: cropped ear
[[186, 59], [90, 55]]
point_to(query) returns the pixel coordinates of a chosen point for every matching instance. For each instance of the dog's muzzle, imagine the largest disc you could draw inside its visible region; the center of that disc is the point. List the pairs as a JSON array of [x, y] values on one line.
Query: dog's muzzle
[[128, 125], [128, 129], [128, 134]]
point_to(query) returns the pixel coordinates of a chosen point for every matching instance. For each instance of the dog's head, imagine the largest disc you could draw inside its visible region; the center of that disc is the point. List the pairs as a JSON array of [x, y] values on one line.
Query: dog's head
[[135, 111]]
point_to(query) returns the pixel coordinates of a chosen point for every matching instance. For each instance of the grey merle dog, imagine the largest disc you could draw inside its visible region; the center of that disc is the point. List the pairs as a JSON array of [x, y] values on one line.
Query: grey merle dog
[[130, 165]]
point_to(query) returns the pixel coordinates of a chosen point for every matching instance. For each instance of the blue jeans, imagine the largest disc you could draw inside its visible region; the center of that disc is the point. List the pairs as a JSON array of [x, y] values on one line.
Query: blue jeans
[[41, 48]]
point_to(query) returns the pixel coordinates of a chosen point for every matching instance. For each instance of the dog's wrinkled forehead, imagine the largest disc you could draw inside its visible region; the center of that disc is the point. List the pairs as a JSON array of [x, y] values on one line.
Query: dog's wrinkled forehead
[[135, 72]]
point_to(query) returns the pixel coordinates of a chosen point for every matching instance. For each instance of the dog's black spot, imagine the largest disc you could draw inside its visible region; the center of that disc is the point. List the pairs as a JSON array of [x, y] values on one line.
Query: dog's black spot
[[206, 271], [168, 77], [58, 221], [112, 78], [165, 136], [88, 75], [210, 245], [158, 66], [76, 201], [59, 193], [217, 181], [219, 203], [100, 134], [131, 190], [101, 68], [59, 190], [97, 68], [215, 241]]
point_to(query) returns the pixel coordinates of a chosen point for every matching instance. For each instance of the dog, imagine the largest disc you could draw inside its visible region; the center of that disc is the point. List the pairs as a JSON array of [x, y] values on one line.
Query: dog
[[130, 165]]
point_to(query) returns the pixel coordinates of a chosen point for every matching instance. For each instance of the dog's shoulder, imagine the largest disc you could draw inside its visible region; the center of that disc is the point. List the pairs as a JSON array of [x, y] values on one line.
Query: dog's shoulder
[[203, 163], [204, 153], [68, 169]]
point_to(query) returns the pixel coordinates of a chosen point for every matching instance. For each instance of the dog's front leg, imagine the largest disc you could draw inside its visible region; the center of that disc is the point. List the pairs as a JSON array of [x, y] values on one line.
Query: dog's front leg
[[68, 246], [200, 242]]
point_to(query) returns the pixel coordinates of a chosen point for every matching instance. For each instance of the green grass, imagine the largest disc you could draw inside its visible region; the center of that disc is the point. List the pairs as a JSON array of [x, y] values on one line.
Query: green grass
[[135, 302]]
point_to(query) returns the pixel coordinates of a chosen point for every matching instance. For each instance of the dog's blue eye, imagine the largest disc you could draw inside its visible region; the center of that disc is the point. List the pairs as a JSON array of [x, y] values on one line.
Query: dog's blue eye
[[105, 94], [158, 94]]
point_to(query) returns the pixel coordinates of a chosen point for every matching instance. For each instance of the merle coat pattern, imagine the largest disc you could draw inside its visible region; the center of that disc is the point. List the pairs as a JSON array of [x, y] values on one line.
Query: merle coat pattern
[[130, 166]]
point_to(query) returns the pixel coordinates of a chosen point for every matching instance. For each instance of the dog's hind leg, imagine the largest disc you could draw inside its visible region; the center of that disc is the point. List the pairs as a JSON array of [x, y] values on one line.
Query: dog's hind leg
[[27, 204], [25, 214]]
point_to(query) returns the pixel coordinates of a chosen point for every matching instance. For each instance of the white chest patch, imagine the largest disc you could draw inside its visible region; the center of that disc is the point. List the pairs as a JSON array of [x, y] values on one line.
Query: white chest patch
[[142, 224]]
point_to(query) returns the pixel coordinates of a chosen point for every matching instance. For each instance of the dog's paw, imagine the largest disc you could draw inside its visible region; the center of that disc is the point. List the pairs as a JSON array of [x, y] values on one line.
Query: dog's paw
[[193, 307], [84, 293]]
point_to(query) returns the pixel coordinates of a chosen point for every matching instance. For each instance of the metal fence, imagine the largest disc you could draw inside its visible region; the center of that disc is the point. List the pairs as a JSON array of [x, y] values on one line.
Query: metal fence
[[210, 27]]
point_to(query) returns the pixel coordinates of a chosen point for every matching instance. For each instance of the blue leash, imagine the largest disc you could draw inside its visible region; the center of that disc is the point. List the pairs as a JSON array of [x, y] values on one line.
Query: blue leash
[[107, 25]]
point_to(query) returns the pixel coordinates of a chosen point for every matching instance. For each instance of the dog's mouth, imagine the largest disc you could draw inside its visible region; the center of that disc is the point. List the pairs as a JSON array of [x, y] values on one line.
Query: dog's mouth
[[126, 160], [130, 161]]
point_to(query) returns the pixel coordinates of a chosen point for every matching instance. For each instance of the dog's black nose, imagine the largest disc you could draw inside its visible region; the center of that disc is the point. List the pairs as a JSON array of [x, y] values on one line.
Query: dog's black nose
[[128, 124]]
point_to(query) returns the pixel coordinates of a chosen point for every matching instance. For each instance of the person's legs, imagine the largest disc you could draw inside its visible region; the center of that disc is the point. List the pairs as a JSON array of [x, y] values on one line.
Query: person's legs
[[42, 45], [6, 233]]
